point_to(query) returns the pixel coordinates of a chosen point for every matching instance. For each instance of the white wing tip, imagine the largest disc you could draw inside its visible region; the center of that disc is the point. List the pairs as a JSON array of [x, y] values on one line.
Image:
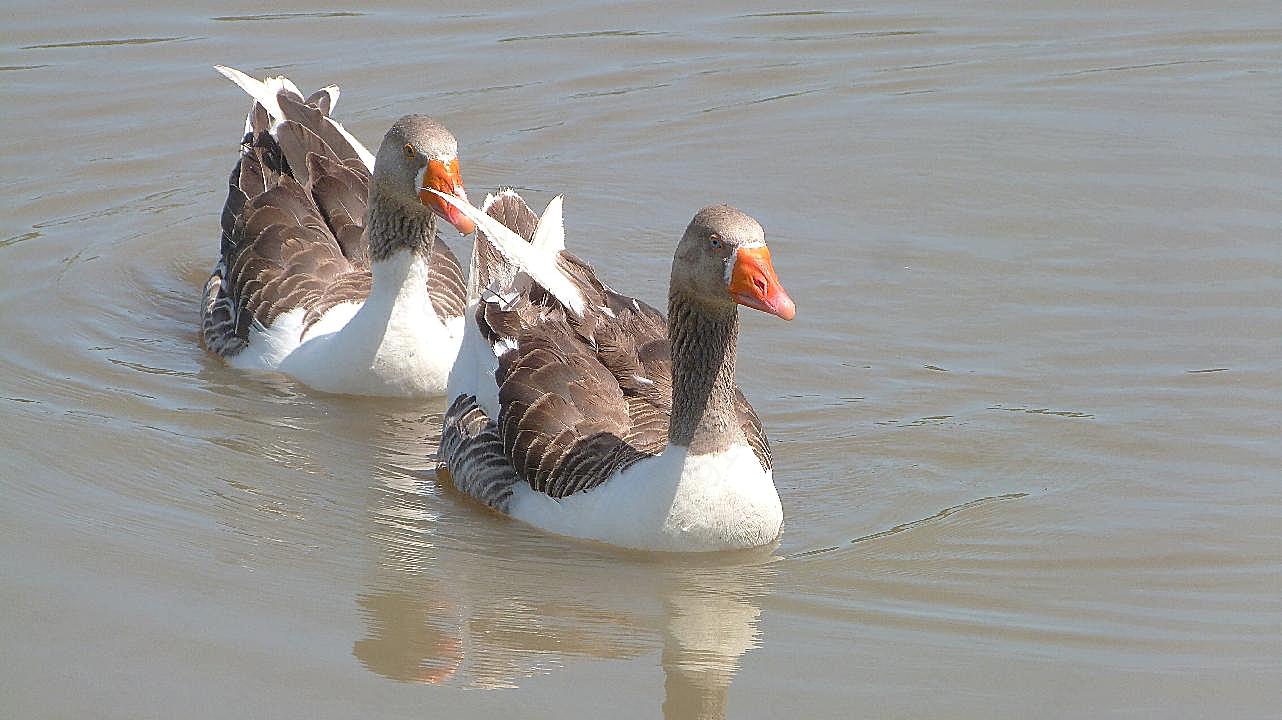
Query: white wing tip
[[539, 265], [549, 236]]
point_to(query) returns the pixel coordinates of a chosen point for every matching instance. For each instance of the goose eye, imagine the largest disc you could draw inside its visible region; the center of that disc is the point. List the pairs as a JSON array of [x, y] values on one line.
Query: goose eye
[[409, 151], [714, 241]]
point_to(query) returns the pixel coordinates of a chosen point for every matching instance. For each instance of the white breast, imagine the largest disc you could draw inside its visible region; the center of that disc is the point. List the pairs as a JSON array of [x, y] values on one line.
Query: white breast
[[392, 344], [674, 501]]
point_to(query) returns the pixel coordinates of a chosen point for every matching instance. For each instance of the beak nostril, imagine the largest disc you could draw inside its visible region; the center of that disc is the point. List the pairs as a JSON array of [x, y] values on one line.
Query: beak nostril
[[761, 284]]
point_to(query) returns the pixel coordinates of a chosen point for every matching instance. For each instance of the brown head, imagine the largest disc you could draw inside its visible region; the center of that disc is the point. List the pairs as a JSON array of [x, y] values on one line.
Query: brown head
[[722, 259], [419, 153]]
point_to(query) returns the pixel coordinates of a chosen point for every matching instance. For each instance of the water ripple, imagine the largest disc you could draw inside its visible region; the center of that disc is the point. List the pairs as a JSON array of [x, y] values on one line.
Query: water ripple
[[101, 43], [911, 525], [286, 16], [587, 34]]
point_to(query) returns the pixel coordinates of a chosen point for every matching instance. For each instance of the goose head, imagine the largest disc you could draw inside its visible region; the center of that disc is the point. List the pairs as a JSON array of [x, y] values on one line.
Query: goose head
[[722, 260], [418, 155]]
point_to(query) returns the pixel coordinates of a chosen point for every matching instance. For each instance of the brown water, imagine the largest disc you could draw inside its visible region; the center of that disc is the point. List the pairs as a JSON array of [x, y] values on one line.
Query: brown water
[[1026, 422]]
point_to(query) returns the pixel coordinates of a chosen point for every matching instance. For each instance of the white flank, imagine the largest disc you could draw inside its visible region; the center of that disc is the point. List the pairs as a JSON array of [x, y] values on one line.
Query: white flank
[[268, 346], [674, 501], [541, 267]]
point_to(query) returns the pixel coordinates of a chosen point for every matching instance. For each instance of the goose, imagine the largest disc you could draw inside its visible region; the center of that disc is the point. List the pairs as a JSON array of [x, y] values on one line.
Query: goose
[[587, 413], [330, 269]]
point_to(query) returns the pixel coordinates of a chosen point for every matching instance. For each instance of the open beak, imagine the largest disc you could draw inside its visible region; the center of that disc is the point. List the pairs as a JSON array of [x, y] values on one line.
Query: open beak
[[445, 178], [753, 283]]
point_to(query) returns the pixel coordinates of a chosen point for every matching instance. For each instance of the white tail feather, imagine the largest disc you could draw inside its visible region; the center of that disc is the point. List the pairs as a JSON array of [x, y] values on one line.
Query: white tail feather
[[539, 265], [264, 93]]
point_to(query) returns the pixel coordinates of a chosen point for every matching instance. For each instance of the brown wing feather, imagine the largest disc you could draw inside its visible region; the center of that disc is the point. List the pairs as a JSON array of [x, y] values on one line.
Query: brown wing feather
[[472, 451], [753, 430], [552, 383], [288, 202], [313, 118], [322, 100], [575, 406], [341, 194], [446, 286], [471, 446]]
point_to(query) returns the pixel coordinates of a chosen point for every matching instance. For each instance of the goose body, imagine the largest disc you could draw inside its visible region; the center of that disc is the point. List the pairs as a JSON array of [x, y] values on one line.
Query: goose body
[[330, 267], [587, 413]]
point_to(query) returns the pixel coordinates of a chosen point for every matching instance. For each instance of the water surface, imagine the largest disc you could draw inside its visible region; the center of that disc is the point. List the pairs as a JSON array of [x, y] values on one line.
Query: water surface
[[1026, 423]]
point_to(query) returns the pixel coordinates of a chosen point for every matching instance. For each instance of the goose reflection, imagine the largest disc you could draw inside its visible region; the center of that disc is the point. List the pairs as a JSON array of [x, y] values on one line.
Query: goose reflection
[[705, 634], [412, 639], [460, 597]]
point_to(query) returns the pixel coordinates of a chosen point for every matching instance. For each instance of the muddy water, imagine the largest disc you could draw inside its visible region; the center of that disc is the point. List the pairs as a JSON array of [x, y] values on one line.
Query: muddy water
[[1026, 422]]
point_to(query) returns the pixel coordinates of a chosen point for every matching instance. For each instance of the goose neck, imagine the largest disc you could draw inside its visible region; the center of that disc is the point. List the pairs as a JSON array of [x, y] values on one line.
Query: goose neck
[[703, 340], [395, 225]]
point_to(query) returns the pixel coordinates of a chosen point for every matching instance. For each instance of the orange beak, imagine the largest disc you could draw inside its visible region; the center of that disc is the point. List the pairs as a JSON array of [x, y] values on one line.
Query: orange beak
[[753, 283], [445, 178]]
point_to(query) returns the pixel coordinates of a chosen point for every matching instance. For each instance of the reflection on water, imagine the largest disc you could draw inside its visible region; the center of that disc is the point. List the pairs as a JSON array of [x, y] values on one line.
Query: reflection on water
[[710, 623], [436, 613], [413, 637]]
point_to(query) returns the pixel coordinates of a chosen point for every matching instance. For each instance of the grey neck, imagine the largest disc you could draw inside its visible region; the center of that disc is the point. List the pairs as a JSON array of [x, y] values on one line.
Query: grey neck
[[703, 340], [393, 225]]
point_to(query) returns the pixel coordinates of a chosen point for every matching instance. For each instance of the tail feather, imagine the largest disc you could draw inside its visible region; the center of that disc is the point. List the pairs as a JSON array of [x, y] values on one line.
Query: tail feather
[[262, 91], [266, 92], [325, 99]]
